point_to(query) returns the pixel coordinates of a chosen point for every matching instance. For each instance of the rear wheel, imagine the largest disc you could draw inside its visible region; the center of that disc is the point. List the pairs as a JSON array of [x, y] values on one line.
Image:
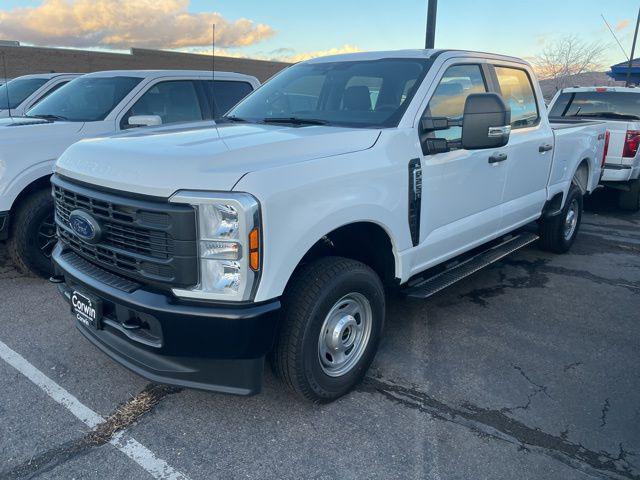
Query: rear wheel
[[33, 235], [558, 233], [630, 200], [333, 315]]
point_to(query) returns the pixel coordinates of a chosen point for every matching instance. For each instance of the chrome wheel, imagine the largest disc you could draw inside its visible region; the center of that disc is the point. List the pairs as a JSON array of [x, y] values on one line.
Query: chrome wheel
[[571, 219], [47, 236], [344, 335]]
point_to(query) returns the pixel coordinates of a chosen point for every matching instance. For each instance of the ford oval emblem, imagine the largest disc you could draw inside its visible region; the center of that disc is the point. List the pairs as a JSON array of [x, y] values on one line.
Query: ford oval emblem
[[85, 226]]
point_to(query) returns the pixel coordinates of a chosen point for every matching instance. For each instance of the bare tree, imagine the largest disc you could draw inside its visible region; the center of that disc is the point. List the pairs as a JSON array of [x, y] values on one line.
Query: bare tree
[[567, 57]]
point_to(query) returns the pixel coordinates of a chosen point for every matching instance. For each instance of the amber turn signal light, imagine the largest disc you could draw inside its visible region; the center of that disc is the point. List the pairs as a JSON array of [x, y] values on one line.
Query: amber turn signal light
[[254, 249]]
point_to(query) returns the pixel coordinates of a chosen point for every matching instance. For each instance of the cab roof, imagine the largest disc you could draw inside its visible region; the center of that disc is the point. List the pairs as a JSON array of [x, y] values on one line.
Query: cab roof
[[411, 53], [169, 73]]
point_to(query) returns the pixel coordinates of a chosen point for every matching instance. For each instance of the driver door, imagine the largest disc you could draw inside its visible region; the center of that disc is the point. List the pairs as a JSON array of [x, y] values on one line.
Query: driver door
[[461, 190]]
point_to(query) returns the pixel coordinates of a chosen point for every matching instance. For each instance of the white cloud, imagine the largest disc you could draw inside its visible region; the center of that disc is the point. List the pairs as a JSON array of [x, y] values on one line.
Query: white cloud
[[288, 55], [121, 24]]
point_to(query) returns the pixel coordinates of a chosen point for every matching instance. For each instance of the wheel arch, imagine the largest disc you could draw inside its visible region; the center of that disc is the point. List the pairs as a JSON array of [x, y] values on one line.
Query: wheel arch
[[582, 174], [366, 241], [38, 184]]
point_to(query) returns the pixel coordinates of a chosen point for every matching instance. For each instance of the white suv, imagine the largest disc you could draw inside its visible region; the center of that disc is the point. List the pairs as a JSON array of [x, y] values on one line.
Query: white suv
[[20, 94], [93, 105]]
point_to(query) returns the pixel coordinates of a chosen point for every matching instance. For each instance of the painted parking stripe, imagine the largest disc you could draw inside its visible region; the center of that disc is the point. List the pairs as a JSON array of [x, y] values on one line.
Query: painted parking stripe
[[128, 445]]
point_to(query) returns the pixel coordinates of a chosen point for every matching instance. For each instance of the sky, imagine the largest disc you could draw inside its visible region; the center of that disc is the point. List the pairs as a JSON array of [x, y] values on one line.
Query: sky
[[293, 30]]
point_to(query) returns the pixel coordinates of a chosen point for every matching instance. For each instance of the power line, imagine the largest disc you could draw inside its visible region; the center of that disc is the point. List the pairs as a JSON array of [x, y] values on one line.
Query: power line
[[614, 36]]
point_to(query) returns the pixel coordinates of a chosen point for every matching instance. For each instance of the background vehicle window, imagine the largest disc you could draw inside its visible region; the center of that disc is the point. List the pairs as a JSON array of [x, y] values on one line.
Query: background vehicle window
[[50, 91], [14, 92], [226, 93], [173, 101], [607, 105], [517, 91], [458, 82], [85, 99]]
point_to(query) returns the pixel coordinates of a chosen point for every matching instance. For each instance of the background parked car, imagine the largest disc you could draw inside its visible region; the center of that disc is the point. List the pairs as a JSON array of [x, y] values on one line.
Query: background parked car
[[619, 107], [96, 104], [20, 94]]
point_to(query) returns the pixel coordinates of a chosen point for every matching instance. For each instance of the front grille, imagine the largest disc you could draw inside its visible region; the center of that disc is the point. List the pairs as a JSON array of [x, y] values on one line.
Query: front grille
[[147, 240], [100, 274]]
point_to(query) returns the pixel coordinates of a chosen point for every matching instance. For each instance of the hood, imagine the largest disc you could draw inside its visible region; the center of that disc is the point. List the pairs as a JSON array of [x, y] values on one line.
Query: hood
[[25, 127], [161, 161]]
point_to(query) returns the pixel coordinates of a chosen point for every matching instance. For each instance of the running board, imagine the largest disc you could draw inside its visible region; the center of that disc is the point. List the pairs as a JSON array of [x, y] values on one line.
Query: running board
[[424, 288]]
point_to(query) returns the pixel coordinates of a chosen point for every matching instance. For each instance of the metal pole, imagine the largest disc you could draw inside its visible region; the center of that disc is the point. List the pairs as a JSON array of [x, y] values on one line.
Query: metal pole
[[432, 9], [633, 49]]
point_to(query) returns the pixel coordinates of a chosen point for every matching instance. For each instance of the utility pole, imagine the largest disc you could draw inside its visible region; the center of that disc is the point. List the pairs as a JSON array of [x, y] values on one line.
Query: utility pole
[[633, 50], [432, 9]]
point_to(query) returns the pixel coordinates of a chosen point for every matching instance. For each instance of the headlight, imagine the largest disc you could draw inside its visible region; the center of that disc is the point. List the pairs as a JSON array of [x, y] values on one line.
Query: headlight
[[229, 245]]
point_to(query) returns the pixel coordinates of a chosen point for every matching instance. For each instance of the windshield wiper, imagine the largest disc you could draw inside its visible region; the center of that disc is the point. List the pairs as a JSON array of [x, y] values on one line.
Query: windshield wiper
[[48, 117], [295, 121], [233, 118], [622, 116]]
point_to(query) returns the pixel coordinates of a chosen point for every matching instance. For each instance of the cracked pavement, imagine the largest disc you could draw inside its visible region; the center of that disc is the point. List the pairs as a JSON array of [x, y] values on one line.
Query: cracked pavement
[[528, 369]]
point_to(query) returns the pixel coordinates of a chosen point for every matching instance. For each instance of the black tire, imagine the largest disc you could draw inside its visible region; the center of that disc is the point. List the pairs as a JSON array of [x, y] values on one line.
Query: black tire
[[552, 229], [313, 292], [33, 217], [630, 200]]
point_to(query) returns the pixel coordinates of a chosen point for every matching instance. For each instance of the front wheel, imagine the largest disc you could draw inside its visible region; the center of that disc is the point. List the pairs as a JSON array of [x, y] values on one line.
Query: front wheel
[[558, 233], [33, 235], [333, 315]]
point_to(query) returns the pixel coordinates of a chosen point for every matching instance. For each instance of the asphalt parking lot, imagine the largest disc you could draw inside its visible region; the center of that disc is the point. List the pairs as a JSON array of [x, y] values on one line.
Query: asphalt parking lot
[[528, 369]]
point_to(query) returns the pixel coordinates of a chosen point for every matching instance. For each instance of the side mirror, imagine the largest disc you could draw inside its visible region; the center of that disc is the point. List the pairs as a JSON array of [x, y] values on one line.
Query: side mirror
[[144, 120], [486, 122], [431, 124]]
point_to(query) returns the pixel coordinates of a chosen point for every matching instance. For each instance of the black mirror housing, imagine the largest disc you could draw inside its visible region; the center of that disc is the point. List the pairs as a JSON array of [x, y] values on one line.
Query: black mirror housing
[[486, 122], [431, 124]]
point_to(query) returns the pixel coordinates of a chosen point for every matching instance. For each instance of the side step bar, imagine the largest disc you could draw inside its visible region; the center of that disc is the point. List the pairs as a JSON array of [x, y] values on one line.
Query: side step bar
[[426, 287]]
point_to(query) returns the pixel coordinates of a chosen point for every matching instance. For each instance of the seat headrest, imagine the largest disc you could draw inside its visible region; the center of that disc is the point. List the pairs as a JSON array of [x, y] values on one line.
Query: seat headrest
[[357, 98]]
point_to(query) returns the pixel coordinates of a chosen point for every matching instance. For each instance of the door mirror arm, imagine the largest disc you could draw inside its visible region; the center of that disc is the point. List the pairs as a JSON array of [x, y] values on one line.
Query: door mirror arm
[[432, 146], [432, 124]]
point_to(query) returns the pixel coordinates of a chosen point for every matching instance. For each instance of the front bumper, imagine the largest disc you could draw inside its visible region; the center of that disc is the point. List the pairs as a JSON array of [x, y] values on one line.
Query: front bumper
[[197, 345], [4, 225]]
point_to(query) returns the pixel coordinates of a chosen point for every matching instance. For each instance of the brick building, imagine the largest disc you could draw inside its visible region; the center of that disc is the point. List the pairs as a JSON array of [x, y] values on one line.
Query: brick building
[[22, 60]]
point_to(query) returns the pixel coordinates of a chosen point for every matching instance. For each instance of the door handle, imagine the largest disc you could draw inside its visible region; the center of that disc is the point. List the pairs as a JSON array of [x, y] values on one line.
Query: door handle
[[545, 147], [497, 157]]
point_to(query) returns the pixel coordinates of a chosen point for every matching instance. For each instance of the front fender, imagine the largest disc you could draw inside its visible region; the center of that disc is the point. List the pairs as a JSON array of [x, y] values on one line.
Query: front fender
[[302, 203], [13, 179]]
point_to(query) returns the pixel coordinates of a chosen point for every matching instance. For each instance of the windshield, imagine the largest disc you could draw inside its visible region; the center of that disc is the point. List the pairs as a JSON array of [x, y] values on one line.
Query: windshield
[[372, 93], [85, 99], [16, 91], [608, 105]]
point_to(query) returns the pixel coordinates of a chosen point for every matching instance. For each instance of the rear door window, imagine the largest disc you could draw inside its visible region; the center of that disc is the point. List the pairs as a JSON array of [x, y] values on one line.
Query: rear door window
[[517, 91], [600, 105], [227, 93]]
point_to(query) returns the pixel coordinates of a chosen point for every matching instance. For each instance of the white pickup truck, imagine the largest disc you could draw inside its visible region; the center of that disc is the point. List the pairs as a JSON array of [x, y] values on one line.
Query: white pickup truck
[[619, 107], [95, 104], [189, 255], [17, 96]]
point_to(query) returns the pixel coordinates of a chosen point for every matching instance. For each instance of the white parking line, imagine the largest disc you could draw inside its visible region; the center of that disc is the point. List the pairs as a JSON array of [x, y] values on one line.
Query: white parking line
[[128, 445]]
